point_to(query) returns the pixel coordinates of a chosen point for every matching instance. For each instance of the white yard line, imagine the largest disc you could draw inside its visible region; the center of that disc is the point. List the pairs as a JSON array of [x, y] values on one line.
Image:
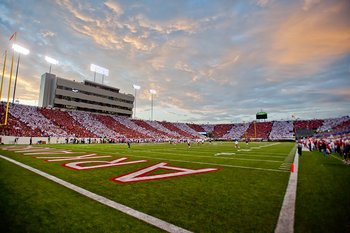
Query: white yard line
[[205, 156], [122, 208], [285, 222], [337, 158], [195, 162]]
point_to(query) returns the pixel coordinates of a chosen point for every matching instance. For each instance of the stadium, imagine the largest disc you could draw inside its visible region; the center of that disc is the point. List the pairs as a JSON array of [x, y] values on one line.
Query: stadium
[[211, 154]]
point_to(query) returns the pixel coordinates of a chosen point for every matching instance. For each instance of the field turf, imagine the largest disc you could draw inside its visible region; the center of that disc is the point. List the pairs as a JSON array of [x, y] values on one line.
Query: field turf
[[244, 195]]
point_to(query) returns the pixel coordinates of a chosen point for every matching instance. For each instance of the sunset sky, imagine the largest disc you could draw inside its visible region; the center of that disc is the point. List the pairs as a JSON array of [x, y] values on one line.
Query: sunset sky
[[209, 61]]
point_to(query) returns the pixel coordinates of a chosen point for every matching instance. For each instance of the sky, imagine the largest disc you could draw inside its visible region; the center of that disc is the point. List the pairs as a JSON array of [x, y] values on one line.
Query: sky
[[216, 61]]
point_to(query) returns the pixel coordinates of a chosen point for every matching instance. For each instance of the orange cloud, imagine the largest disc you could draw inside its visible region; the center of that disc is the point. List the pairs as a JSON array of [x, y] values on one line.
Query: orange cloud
[[319, 33]]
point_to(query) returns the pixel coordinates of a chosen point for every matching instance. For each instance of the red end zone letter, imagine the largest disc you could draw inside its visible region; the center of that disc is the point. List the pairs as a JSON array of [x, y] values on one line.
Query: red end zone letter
[[141, 174]]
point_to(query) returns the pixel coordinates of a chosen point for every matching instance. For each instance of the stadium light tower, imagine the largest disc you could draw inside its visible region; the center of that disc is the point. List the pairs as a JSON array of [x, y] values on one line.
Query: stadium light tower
[[100, 70], [20, 50], [136, 87], [51, 61], [152, 93]]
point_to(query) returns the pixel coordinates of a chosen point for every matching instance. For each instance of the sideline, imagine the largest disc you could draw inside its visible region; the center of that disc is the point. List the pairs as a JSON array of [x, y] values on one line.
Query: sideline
[[122, 208], [285, 222]]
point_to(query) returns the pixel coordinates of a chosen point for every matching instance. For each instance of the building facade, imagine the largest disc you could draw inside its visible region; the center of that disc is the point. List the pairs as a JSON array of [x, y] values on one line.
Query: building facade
[[83, 96]]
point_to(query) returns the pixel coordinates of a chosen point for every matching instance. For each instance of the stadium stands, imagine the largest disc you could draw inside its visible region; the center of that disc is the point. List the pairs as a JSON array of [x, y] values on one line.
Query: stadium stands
[[163, 129], [89, 122], [153, 130], [263, 130], [29, 121], [36, 121], [121, 129], [63, 120], [197, 128], [174, 129], [236, 132], [308, 124], [15, 127], [184, 127], [221, 129], [281, 130], [329, 124], [132, 125]]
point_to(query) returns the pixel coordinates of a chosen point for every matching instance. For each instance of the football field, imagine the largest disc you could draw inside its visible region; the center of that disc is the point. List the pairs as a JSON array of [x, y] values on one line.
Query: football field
[[210, 187]]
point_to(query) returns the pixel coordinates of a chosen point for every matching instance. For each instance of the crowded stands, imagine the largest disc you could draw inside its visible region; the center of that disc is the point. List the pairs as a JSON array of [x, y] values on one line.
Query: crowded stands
[[281, 130], [29, 121], [236, 132]]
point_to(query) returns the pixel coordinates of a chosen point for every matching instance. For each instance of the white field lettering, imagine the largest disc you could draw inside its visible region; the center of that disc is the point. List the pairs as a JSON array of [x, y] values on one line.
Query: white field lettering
[[79, 157], [116, 162], [140, 175], [136, 176]]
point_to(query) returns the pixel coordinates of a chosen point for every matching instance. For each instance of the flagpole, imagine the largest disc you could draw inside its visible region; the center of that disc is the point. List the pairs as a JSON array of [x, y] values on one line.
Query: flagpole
[[9, 90], [14, 35], [3, 73]]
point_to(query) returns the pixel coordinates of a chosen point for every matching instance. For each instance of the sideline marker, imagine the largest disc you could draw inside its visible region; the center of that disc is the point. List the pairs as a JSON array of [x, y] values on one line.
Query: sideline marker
[[292, 167]]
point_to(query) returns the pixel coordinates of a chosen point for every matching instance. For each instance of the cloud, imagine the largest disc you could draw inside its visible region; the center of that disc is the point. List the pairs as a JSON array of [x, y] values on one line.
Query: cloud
[[312, 36], [308, 4], [48, 34], [115, 7]]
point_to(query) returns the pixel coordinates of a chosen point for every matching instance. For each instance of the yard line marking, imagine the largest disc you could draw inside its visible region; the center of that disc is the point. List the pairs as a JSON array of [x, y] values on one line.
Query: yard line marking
[[337, 158], [204, 156], [213, 151], [115, 205], [285, 222], [215, 164]]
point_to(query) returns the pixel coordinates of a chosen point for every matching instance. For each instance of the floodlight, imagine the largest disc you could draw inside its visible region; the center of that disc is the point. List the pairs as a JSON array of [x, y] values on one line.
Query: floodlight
[[20, 49], [136, 87], [153, 91], [51, 60], [99, 69]]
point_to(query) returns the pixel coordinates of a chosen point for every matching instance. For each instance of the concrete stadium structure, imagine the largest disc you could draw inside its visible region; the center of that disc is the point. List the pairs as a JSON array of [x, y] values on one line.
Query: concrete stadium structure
[[84, 96]]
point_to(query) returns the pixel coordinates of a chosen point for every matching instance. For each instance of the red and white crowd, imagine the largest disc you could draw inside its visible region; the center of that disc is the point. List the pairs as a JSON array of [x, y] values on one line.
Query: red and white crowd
[[330, 145], [30, 121]]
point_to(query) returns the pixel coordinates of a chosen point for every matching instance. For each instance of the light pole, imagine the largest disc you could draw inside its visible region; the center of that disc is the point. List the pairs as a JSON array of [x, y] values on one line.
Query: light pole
[[100, 70], [51, 61], [152, 93], [20, 50], [136, 87]]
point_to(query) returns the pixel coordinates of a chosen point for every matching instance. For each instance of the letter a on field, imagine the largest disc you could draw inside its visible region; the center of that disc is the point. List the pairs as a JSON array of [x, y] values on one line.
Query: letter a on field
[[141, 175]]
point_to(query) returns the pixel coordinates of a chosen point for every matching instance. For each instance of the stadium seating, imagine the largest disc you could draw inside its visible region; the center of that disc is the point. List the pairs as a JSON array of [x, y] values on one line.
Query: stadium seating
[[221, 129], [184, 127], [29, 121], [63, 120], [329, 124], [172, 128], [153, 130], [89, 122], [36, 121], [281, 130], [121, 129], [263, 130], [236, 132], [15, 127], [197, 128], [308, 124], [163, 129]]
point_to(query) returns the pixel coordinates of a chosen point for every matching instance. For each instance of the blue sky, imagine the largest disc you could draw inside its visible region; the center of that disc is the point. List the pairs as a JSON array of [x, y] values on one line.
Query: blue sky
[[209, 61]]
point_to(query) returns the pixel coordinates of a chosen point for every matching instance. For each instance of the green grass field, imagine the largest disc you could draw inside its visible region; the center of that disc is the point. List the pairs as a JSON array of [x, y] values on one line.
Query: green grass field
[[244, 195]]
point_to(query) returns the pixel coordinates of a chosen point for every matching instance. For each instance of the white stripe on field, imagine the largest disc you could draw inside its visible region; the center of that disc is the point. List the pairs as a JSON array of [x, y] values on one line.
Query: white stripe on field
[[285, 222], [195, 162], [122, 208], [205, 156]]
